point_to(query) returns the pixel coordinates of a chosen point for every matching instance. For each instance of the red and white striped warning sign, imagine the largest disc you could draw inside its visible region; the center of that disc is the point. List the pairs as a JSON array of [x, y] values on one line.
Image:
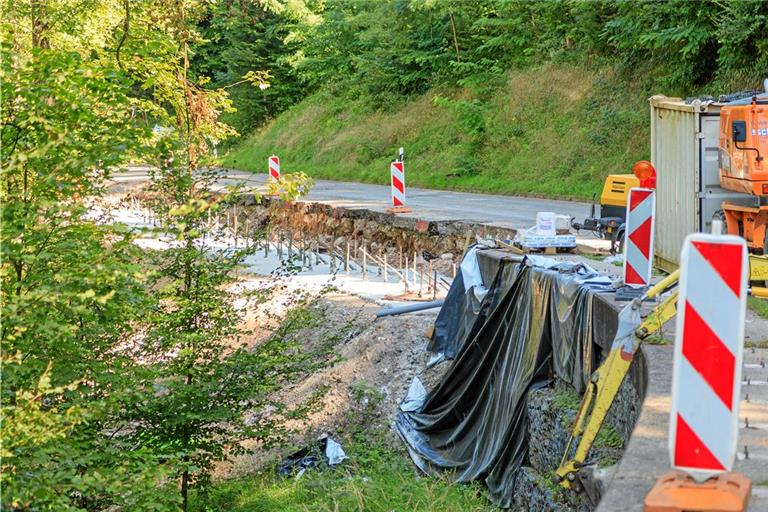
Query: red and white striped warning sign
[[638, 242], [397, 172], [274, 167], [706, 382]]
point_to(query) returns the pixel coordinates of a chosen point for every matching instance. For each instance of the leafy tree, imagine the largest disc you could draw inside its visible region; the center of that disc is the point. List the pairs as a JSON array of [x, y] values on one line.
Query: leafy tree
[[743, 53], [70, 286], [241, 36], [661, 32], [205, 378]]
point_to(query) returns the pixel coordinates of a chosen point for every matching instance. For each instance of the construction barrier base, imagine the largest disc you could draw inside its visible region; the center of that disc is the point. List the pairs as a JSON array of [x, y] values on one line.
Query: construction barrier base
[[627, 293], [399, 209], [677, 492]]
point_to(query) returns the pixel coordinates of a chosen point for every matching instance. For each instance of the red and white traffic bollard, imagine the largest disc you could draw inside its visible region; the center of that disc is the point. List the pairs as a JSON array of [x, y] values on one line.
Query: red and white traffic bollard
[[706, 382], [397, 177], [273, 162], [638, 237], [708, 350]]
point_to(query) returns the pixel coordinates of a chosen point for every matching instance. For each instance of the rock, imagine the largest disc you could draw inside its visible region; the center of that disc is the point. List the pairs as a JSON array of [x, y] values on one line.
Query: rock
[[549, 420], [447, 256], [534, 491]]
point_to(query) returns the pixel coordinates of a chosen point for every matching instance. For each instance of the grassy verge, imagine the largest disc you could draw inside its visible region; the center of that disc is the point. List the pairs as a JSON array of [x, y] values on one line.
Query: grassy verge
[[377, 477], [553, 131], [758, 306]]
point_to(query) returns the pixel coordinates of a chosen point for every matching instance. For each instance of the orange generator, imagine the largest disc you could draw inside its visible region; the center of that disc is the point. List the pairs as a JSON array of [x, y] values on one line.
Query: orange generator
[[742, 149]]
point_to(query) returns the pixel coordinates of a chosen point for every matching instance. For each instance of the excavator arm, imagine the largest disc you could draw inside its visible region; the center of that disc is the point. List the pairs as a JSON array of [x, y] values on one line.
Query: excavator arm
[[758, 271], [606, 380]]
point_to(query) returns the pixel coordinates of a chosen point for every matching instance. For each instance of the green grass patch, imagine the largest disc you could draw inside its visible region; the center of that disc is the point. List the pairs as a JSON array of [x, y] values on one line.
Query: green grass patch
[[377, 477], [758, 306], [656, 339], [607, 436], [551, 131], [566, 399]]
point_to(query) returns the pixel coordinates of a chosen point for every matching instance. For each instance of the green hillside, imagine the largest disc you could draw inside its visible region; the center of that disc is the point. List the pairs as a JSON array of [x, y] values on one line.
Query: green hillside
[[536, 98], [554, 131]]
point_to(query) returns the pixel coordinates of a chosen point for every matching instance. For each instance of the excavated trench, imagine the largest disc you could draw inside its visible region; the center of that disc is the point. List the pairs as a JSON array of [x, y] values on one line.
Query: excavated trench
[[550, 410]]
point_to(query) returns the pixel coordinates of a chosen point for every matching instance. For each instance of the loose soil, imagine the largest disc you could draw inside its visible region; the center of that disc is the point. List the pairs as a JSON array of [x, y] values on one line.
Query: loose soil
[[373, 362]]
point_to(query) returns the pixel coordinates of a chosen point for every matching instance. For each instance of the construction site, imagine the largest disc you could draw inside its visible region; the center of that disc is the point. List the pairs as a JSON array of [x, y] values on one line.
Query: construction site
[[384, 256], [538, 360]]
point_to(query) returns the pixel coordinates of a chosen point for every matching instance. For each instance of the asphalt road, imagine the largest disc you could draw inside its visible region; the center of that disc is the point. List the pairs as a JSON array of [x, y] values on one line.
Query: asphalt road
[[437, 205]]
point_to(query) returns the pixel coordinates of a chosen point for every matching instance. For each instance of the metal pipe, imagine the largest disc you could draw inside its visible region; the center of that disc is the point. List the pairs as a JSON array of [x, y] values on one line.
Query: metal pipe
[[409, 308], [421, 281], [346, 260], [405, 273]]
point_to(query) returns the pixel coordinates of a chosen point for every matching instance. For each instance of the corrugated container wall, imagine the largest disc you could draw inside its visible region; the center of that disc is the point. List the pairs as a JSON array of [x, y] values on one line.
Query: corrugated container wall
[[672, 154], [684, 153]]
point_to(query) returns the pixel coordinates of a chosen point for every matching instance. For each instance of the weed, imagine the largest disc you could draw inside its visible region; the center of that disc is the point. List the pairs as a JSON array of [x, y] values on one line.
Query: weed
[[566, 399], [609, 460], [594, 257], [549, 482], [607, 436], [366, 401], [656, 339]]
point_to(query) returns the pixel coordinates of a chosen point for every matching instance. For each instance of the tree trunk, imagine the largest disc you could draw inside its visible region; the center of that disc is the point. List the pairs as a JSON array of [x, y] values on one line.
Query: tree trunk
[[39, 25], [184, 490]]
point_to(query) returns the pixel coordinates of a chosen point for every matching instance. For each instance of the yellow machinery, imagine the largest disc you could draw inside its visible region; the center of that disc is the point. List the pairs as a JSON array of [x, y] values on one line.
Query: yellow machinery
[[743, 145], [607, 379], [610, 223], [613, 199]]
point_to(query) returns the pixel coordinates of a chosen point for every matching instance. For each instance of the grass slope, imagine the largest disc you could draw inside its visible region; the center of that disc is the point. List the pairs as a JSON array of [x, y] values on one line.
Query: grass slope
[[553, 131], [376, 478]]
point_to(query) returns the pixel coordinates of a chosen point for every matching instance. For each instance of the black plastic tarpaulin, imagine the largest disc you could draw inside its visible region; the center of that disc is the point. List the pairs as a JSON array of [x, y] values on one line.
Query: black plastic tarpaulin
[[463, 312], [533, 323]]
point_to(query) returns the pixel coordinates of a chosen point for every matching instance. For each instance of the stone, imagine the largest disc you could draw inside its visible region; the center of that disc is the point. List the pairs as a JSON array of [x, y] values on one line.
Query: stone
[[534, 491], [549, 421], [447, 256]]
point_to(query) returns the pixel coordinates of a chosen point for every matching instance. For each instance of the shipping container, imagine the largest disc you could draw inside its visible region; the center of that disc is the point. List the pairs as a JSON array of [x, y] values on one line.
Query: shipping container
[[684, 153]]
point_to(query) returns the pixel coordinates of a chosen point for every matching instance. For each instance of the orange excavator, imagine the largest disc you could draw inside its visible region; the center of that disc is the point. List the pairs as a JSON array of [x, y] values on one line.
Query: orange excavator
[[742, 149]]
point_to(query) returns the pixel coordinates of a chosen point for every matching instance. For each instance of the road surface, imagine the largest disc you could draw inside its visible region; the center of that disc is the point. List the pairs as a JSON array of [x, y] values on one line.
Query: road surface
[[434, 205]]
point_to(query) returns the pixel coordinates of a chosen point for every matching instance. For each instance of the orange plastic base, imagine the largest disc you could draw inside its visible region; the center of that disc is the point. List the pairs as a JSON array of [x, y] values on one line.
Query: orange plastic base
[[399, 209], [677, 492]]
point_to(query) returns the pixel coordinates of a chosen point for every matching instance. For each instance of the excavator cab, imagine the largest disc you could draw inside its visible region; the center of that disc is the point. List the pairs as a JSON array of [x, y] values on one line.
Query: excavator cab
[[742, 152]]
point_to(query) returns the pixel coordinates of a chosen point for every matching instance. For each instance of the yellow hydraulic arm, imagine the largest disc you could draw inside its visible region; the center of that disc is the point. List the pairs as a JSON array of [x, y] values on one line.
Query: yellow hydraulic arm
[[605, 382], [758, 271]]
